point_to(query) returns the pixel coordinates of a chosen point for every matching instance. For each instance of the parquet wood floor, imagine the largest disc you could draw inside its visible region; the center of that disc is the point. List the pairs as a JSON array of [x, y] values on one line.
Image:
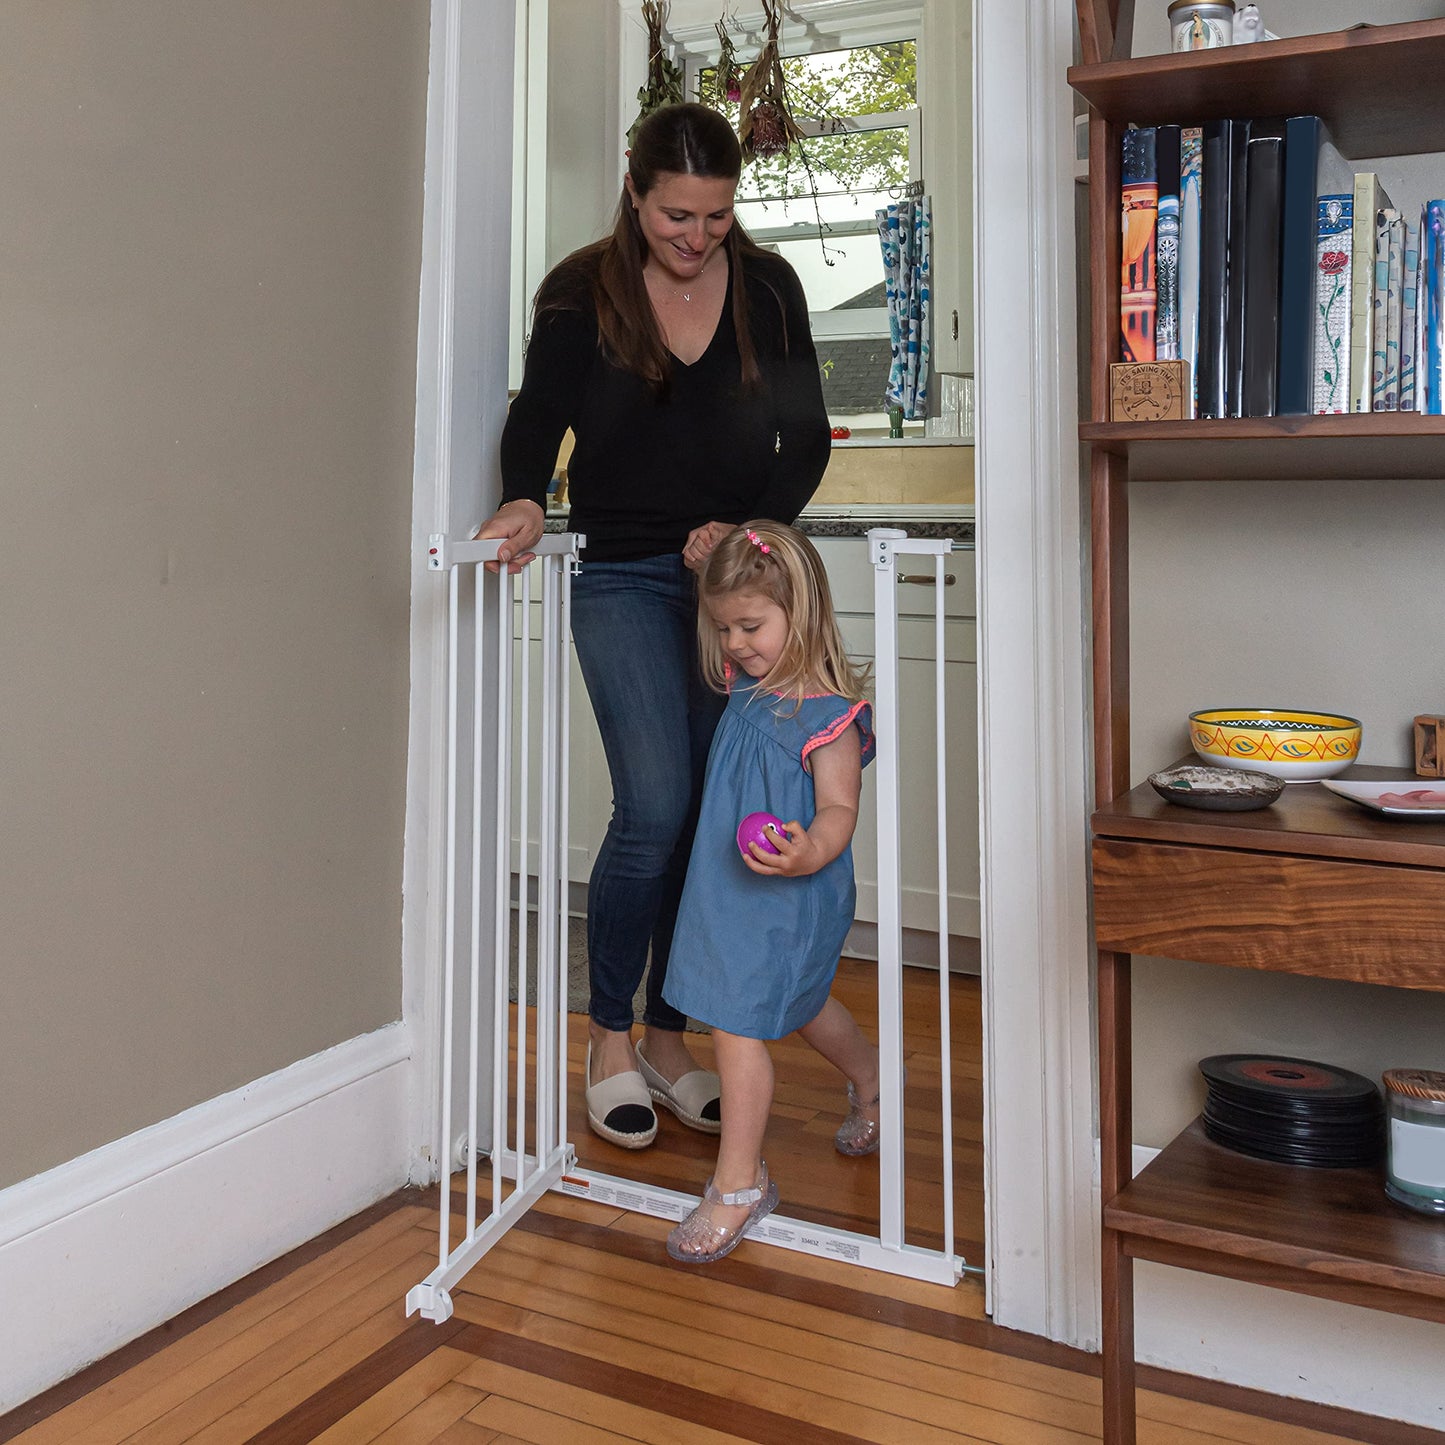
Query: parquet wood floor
[[578, 1330]]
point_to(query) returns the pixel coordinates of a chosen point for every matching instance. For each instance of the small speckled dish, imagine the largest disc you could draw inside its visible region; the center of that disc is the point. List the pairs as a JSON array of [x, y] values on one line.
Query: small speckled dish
[[1219, 790]]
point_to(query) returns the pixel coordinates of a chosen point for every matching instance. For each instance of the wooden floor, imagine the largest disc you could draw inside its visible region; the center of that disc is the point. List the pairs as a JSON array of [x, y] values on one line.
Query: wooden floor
[[576, 1329]]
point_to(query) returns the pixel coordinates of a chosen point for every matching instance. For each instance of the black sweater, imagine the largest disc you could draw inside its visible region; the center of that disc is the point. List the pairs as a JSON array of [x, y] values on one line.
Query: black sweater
[[647, 468]]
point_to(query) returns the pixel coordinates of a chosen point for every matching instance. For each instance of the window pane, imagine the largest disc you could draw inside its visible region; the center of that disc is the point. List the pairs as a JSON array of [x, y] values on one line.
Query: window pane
[[868, 80], [853, 282], [851, 173]]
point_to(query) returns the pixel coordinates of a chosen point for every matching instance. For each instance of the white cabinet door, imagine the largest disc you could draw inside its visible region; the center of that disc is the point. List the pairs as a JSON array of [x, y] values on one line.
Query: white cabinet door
[[851, 579]]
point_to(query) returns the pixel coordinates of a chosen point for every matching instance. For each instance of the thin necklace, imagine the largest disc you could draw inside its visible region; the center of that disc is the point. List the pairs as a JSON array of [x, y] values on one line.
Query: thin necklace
[[687, 295]]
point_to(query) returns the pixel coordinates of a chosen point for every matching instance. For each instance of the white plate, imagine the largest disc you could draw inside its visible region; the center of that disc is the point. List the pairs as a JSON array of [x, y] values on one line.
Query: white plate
[[1367, 795]]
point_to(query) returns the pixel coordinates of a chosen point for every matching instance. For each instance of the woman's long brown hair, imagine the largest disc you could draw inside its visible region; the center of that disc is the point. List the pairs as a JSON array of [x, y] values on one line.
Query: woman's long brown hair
[[685, 140]]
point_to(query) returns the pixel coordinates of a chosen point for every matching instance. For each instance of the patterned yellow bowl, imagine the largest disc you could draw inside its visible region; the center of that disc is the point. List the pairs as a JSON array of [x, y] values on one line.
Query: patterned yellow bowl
[[1296, 746]]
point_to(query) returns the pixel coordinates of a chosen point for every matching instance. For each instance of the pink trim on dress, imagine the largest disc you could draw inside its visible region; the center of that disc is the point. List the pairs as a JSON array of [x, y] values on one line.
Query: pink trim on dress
[[836, 731]]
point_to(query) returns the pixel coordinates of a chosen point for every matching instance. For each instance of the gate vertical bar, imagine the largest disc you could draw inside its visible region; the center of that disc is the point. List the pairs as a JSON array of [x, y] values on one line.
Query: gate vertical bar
[[890, 923], [449, 961], [523, 870], [502, 885], [566, 568], [547, 868], [945, 1029]]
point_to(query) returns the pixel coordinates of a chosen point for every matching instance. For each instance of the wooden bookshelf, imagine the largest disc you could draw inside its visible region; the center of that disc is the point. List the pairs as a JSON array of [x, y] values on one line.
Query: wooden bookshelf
[[1325, 1232], [1312, 885], [1358, 80], [1362, 447]]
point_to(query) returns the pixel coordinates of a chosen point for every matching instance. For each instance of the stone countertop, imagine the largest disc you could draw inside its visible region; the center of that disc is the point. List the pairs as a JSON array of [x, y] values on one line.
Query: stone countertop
[[960, 530]]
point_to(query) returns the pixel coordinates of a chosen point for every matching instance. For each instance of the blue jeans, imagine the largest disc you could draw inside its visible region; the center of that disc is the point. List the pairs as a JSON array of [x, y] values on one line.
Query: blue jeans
[[635, 628]]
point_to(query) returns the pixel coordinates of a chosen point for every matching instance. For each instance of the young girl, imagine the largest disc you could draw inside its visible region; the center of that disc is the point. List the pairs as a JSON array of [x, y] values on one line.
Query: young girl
[[758, 937]]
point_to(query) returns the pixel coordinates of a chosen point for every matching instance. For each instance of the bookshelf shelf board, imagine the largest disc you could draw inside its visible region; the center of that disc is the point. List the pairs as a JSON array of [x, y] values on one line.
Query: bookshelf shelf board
[[1326, 1232], [1377, 88], [1361, 447], [1308, 821]]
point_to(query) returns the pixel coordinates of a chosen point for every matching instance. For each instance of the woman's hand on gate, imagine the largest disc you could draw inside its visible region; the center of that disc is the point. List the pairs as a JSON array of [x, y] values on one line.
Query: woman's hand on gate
[[519, 525]]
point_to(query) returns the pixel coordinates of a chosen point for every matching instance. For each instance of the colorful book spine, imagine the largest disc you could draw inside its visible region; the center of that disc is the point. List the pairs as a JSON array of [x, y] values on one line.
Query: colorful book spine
[[1191, 156], [1334, 236], [1409, 290], [1370, 199], [1166, 316], [1434, 280], [1393, 246], [1382, 389], [1139, 282]]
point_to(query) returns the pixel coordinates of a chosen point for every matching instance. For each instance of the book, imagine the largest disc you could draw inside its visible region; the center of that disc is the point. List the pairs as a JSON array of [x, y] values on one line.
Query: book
[[1139, 184], [1236, 274], [1191, 156], [1370, 199], [1421, 313], [1217, 153], [1312, 167], [1389, 282], [1166, 315], [1409, 290], [1334, 237], [1432, 352], [1264, 182]]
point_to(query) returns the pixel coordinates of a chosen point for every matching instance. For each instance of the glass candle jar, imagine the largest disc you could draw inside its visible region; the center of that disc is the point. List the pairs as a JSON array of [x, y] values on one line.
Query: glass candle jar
[[1201, 24], [1415, 1104]]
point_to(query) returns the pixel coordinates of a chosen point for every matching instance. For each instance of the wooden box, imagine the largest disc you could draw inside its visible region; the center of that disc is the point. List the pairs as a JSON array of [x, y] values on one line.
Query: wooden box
[[1430, 746], [1149, 391]]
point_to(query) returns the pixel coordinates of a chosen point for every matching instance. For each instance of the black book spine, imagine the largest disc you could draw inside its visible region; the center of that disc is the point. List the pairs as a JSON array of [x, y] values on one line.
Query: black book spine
[[1214, 189], [1236, 281], [1304, 136], [1264, 186]]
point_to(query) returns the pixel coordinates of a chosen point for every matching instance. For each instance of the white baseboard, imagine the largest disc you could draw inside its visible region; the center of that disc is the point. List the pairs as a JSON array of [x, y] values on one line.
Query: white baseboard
[[96, 1252]]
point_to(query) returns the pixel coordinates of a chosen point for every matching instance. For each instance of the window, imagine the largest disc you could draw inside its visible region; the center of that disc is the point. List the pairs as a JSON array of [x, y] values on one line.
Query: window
[[858, 107]]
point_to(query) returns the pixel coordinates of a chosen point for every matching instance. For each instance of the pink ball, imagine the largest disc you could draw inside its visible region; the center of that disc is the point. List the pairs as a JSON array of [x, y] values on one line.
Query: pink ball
[[751, 830]]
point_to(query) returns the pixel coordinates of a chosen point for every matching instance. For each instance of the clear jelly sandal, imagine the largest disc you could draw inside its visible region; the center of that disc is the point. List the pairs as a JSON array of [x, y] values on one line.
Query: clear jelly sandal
[[858, 1134], [697, 1240]]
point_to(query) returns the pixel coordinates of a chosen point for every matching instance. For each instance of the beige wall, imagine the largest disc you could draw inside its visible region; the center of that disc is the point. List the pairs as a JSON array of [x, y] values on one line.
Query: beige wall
[[212, 239]]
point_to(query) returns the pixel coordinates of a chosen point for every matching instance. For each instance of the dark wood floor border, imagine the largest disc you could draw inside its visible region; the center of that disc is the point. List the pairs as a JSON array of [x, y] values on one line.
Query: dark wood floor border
[[320, 1411], [985, 1335], [92, 1377], [648, 1392]]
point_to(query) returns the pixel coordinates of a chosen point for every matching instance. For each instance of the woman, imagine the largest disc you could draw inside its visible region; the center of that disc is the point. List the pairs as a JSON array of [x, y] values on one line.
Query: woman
[[678, 352]]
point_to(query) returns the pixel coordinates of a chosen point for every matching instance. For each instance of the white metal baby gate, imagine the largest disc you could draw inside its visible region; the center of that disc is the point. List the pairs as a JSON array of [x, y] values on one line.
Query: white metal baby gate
[[492, 730]]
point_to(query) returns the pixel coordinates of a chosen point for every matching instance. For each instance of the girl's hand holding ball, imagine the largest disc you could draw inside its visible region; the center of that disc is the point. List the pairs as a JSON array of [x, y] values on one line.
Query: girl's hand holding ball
[[775, 849]]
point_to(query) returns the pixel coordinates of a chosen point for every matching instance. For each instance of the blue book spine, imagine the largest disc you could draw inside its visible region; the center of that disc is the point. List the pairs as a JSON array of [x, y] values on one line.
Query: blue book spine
[[1409, 297], [1434, 308], [1191, 164], [1166, 316]]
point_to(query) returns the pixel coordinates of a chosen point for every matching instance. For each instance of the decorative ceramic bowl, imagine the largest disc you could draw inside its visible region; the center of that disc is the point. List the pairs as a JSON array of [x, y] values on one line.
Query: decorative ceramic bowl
[[1283, 742]]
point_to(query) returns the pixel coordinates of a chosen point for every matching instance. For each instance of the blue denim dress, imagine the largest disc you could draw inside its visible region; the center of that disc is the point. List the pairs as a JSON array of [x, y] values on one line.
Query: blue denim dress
[[756, 956]]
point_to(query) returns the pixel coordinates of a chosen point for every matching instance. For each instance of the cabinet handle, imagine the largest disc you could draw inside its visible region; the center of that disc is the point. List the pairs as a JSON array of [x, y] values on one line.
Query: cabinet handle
[[924, 579]]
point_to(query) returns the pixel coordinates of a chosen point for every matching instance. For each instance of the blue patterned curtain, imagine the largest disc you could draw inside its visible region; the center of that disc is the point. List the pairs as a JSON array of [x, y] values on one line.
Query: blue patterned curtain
[[906, 230]]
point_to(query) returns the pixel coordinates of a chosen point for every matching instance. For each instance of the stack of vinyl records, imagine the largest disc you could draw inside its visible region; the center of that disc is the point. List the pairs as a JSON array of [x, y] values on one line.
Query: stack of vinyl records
[[1293, 1111]]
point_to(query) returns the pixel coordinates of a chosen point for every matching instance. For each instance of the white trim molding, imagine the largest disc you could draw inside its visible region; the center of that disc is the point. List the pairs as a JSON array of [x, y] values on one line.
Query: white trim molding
[[1038, 1059], [109, 1245], [461, 403]]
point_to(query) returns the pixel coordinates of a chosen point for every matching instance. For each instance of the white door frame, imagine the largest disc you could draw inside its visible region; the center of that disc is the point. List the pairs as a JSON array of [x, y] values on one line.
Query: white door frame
[[1033, 782]]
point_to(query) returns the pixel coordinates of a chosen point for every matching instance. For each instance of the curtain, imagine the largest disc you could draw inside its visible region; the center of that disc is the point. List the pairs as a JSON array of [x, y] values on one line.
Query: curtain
[[905, 229]]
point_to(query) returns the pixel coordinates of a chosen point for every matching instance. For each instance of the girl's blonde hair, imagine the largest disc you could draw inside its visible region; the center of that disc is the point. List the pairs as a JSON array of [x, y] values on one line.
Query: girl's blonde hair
[[781, 564]]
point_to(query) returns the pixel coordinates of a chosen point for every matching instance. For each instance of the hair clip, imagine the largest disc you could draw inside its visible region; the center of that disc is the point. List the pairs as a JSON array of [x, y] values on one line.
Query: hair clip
[[758, 542]]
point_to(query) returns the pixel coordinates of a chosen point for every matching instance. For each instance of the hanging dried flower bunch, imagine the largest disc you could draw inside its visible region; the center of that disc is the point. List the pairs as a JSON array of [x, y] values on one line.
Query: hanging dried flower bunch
[[767, 127], [728, 81], [664, 78]]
